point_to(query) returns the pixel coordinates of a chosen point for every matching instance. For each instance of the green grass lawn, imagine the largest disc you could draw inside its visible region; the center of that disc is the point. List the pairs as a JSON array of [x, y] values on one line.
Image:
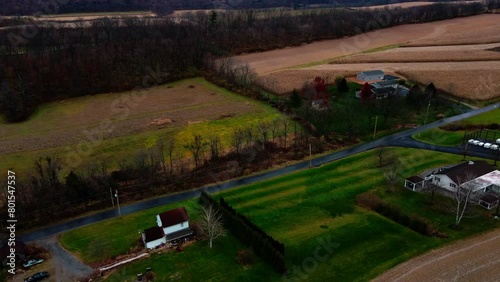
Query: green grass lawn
[[302, 210], [126, 147], [442, 137]]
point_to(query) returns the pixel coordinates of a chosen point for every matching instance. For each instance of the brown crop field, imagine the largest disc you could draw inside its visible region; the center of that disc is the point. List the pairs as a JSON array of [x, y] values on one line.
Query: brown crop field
[[396, 5], [476, 29], [455, 53], [123, 123]]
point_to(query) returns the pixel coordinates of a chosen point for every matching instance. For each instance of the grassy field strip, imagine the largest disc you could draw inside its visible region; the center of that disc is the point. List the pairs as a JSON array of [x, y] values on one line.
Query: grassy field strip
[[286, 194]]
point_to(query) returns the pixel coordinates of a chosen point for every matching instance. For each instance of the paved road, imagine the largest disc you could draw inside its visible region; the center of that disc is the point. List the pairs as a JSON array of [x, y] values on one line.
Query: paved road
[[399, 139], [474, 259]]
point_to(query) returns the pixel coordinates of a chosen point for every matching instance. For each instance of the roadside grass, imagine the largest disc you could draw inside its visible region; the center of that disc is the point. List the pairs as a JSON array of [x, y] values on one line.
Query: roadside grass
[[438, 136], [199, 263], [94, 242], [303, 210], [127, 147]]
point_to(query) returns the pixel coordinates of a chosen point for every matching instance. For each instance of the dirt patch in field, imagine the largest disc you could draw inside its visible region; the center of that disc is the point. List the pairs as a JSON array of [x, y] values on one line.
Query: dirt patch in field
[[114, 115], [469, 30], [456, 53], [474, 259], [284, 82]]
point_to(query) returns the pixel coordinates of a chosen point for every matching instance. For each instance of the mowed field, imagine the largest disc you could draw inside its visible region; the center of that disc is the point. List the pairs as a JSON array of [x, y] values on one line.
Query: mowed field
[[467, 65], [124, 123], [308, 210]]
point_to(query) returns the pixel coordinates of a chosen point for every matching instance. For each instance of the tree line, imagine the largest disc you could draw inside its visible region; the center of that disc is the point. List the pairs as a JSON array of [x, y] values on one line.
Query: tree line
[[41, 63], [52, 191]]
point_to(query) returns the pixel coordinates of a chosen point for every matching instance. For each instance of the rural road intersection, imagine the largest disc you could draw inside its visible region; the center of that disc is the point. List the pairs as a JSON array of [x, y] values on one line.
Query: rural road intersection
[[401, 139]]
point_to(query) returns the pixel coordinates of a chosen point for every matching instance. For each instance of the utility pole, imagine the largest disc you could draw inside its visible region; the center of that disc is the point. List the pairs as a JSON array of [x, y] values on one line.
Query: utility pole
[[111, 194], [310, 155], [427, 114], [375, 130], [118, 203]]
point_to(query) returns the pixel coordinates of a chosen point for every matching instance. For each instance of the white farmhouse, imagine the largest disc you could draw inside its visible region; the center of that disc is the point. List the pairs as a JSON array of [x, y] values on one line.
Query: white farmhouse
[[450, 178], [174, 223], [370, 75]]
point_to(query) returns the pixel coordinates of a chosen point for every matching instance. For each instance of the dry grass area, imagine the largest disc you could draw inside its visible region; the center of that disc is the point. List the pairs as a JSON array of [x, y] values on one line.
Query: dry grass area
[[283, 82], [474, 259], [469, 30], [478, 85], [456, 53], [70, 121]]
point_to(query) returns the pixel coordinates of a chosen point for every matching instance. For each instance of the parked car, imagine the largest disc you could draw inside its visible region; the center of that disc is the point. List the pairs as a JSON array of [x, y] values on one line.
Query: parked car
[[39, 276], [471, 141], [475, 142], [480, 144], [487, 145], [494, 147], [32, 262], [498, 141]]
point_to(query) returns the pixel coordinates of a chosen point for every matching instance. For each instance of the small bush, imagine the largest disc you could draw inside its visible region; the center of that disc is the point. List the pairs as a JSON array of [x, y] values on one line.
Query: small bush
[[245, 257], [369, 200]]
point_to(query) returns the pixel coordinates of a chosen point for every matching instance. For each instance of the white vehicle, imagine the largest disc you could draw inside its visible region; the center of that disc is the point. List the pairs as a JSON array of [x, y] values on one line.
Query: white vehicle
[[32, 262], [471, 141], [494, 147], [480, 144], [476, 142], [487, 145], [498, 141]]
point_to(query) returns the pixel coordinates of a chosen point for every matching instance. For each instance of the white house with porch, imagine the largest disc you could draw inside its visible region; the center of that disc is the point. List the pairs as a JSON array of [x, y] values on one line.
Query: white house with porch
[[450, 178], [175, 224]]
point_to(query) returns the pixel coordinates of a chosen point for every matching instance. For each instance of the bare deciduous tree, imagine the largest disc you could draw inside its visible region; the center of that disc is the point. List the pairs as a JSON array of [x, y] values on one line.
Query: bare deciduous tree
[[215, 147], [196, 147], [391, 176], [237, 139], [462, 198], [211, 223]]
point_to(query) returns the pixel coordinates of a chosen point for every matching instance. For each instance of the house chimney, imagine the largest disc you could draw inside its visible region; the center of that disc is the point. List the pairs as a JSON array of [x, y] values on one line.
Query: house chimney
[[471, 162]]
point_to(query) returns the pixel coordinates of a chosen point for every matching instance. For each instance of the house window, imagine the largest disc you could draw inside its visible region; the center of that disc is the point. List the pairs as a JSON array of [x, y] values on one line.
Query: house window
[[438, 179], [182, 224], [453, 185]]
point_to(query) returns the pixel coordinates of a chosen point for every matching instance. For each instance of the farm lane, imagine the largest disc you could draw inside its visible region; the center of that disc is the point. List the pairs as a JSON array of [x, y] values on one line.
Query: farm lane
[[397, 139]]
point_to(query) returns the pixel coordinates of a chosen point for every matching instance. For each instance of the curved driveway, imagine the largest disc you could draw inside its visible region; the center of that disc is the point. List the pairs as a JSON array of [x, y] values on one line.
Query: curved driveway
[[402, 139]]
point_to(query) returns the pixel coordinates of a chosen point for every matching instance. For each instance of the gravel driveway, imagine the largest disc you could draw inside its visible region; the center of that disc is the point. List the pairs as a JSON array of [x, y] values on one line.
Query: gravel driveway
[[66, 267], [474, 259]]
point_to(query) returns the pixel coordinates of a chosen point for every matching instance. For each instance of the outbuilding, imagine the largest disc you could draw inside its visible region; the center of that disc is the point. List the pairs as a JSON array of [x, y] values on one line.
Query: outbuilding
[[370, 75]]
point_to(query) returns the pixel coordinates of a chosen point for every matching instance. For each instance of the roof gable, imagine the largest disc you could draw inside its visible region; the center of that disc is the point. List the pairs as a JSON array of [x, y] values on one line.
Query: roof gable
[[373, 72], [173, 217], [461, 172]]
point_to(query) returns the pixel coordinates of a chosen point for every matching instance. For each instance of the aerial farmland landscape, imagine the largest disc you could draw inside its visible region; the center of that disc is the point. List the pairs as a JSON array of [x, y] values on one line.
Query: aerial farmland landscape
[[240, 140]]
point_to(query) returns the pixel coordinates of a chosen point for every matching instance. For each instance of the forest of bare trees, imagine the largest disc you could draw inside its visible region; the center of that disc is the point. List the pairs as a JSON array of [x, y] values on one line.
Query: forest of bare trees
[[44, 63]]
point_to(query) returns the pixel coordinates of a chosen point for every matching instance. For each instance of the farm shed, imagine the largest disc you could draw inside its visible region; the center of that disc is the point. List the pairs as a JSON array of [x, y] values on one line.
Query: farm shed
[[370, 75], [488, 201]]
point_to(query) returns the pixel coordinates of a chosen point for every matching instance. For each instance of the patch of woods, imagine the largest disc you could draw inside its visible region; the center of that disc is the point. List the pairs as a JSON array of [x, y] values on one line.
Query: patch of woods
[[263, 245], [49, 193], [42, 61], [415, 222], [465, 126]]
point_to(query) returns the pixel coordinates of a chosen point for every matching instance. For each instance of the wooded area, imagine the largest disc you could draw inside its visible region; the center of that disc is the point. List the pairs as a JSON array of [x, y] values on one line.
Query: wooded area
[[41, 63]]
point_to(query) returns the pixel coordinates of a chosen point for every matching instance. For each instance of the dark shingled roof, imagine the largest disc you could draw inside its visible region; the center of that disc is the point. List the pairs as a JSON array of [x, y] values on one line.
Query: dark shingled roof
[[490, 199], [415, 179], [173, 217], [179, 234], [383, 90], [373, 72], [461, 172], [153, 233]]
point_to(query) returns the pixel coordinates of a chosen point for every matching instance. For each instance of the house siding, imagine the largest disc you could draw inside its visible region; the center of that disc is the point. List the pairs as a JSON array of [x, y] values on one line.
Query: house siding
[[444, 182], [156, 243], [175, 228]]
